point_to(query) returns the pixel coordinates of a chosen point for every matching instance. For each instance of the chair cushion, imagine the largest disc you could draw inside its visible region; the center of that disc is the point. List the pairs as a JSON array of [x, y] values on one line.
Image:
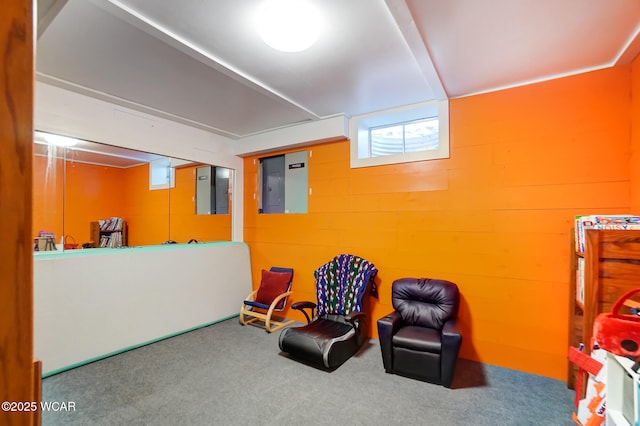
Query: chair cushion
[[325, 329], [418, 339], [272, 285], [255, 304], [322, 342], [425, 302]]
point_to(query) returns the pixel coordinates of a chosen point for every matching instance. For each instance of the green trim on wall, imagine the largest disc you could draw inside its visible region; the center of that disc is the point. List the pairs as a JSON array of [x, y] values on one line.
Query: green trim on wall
[[41, 255]]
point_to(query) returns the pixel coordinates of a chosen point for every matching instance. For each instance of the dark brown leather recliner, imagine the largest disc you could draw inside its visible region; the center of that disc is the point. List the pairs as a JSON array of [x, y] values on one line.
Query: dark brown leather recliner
[[420, 339]]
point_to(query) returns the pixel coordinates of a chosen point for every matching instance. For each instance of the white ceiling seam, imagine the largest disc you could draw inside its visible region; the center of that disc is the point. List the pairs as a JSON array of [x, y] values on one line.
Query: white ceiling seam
[[186, 46]]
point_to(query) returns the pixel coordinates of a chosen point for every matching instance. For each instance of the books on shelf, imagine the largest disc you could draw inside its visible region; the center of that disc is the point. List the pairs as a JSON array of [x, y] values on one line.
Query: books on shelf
[[111, 232], [617, 221], [111, 224], [111, 240], [580, 281], [582, 223]]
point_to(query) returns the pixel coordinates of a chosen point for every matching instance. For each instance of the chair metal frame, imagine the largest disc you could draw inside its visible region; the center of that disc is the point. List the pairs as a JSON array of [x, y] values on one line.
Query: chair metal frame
[[271, 324]]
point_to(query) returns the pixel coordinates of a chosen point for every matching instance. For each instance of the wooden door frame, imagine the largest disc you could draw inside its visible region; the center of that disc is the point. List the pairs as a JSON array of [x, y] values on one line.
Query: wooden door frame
[[19, 380]]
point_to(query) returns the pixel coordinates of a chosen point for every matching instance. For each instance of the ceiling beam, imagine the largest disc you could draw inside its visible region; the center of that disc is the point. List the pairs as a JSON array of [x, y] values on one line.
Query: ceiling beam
[[325, 130], [47, 11], [405, 22]]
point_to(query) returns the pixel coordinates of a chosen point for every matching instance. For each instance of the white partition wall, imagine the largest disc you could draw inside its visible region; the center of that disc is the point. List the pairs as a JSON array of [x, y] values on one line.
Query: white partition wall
[[93, 303]]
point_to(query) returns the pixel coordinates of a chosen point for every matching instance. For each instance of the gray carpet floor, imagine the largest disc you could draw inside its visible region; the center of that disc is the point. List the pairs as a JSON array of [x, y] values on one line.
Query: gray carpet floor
[[227, 374]]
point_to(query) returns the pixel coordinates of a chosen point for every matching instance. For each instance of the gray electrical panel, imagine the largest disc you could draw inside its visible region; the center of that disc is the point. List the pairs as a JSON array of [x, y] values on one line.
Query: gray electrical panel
[[212, 190], [285, 182], [296, 177], [272, 184]]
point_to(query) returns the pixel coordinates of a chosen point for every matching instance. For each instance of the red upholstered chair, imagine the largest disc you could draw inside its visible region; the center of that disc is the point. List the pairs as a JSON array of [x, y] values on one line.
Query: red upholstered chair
[[270, 297]]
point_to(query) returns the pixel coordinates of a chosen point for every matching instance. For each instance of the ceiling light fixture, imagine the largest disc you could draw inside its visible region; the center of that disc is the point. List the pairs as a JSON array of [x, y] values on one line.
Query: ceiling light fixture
[[288, 25], [59, 140]]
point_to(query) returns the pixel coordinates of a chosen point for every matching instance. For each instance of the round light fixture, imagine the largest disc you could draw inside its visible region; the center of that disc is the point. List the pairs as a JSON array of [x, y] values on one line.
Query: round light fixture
[[288, 25], [60, 140]]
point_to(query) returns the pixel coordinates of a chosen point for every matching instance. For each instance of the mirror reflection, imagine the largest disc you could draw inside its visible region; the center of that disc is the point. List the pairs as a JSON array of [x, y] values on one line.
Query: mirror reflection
[[87, 194]]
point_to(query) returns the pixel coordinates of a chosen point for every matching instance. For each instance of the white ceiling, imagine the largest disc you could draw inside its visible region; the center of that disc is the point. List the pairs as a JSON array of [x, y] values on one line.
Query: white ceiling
[[203, 63]]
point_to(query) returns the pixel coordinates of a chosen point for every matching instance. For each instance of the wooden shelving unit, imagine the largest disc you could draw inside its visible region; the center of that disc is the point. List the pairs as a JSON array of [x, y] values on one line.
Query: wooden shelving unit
[[97, 234], [611, 268]]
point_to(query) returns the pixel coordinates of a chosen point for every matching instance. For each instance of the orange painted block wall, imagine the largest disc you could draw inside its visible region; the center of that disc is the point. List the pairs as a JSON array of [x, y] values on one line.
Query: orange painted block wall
[[494, 218]]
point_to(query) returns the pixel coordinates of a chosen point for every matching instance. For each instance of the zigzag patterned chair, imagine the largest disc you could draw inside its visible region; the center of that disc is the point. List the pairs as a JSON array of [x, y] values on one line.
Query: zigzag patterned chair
[[339, 328]]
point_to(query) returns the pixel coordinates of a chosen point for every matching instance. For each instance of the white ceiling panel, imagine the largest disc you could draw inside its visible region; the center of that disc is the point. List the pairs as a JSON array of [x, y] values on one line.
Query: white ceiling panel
[[359, 64], [89, 47], [203, 63], [479, 46]]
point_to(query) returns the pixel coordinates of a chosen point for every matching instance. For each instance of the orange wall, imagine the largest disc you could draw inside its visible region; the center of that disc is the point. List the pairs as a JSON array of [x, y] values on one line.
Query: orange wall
[[89, 193], [635, 135], [47, 196], [147, 213], [92, 193], [98, 192], [494, 218]]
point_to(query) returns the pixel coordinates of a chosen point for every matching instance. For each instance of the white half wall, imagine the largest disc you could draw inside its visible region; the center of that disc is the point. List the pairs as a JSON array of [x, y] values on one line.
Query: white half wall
[[93, 303]]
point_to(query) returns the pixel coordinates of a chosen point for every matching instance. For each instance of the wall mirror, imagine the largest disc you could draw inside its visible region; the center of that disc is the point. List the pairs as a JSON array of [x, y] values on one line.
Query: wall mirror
[[78, 183]]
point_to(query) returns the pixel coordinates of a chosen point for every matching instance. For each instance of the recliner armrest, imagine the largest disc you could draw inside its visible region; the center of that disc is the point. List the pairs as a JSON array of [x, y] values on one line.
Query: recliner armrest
[[451, 341], [390, 323], [451, 337], [387, 327], [450, 328], [302, 305]]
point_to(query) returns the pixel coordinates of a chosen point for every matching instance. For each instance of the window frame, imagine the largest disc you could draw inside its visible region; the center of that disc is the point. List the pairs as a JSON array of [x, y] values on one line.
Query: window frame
[[403, 141], [361, 125], [170, 181]]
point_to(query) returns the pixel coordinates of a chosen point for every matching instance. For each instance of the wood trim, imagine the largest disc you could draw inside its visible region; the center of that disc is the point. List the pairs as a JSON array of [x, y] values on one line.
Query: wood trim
[[574, 337], [592, 288], [16, 269], [37, 391]]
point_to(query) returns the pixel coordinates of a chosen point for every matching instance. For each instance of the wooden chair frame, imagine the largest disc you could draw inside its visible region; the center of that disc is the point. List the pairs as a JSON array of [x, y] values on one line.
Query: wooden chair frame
[[266, 315], [270, 324]]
